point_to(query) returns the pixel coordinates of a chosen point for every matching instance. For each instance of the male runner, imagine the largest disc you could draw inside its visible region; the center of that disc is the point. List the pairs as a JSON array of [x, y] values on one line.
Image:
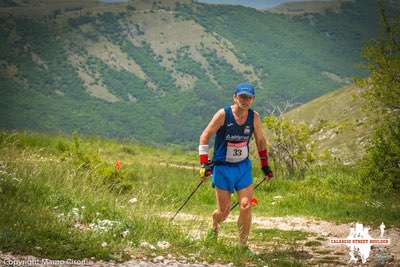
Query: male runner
[[234, 126]]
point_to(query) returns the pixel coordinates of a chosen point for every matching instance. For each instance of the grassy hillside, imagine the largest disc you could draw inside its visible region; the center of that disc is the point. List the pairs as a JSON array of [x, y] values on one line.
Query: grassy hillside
[[157, 71], [343, 122]]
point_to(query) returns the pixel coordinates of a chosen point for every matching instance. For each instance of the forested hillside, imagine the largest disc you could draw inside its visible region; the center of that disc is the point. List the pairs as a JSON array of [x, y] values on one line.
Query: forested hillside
[[156, 71]]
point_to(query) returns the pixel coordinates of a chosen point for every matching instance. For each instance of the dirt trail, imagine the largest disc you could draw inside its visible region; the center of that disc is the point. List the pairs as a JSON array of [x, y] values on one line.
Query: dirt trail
[[323, 231]]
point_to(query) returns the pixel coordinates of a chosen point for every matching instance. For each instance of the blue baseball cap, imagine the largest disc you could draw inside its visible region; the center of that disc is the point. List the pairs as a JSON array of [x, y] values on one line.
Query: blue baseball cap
[[244, 88]]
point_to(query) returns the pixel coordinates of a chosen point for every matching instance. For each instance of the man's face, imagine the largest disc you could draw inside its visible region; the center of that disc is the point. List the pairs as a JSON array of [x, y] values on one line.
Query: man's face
[[244, 101]]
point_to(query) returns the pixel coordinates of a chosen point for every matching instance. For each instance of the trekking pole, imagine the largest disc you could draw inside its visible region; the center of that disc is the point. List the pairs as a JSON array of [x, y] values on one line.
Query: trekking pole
[[204, 172], [194, 191], [257, 185]]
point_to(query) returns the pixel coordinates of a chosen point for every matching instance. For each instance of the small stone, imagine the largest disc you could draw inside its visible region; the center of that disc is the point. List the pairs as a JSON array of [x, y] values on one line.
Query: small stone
[[158, 259]]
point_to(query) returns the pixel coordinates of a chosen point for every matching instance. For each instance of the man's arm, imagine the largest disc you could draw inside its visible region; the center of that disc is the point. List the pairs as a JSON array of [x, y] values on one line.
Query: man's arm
[[261, 144], [258, 133], [216, 122]]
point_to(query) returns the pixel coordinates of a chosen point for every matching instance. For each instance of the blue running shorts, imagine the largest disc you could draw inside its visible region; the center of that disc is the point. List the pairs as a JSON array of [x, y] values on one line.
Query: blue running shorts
[[232, 177]]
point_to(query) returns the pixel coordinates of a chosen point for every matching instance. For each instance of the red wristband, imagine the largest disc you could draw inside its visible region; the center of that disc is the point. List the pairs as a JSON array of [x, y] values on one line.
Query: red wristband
[[263, 157], [204, 159]]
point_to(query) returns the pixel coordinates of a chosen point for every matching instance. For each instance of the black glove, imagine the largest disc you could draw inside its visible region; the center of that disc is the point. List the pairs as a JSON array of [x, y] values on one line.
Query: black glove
[[267, 171], [206, 169]]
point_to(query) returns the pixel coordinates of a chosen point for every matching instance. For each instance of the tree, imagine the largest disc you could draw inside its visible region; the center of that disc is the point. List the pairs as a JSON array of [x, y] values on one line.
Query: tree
[[291, 148], [382, 91]]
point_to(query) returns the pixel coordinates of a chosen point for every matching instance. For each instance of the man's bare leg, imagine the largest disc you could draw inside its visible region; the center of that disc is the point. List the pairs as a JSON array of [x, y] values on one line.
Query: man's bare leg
[[223, 206], [244, 221]]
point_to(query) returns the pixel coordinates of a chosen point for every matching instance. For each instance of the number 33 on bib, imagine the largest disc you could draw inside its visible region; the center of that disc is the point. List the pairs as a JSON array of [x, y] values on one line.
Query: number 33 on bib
[[236, 152]]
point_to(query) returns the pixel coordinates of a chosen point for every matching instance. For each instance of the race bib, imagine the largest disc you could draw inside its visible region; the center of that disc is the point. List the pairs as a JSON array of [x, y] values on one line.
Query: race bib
[[236, 152]]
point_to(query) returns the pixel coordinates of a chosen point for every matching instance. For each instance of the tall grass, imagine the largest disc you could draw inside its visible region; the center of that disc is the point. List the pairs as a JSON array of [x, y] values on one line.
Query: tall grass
[[48, 210]]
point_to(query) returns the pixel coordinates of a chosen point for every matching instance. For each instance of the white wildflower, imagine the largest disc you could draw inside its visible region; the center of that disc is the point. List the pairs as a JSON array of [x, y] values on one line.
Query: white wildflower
[[80, 226], [104, 244], [16, 179], [75, 214], [61, 217], [163, 244], [194, 235], [145, 244], [125, 233], [133, 200], [103, 225]]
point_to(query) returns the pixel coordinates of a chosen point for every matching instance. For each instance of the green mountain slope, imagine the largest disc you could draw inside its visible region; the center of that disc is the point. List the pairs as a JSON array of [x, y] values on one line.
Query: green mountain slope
[[307, 7], [157, 71], [343, 122]]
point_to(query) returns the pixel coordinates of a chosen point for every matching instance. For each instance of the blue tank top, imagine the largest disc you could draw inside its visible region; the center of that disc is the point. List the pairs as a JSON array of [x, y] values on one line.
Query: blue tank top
[[232, 140]]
